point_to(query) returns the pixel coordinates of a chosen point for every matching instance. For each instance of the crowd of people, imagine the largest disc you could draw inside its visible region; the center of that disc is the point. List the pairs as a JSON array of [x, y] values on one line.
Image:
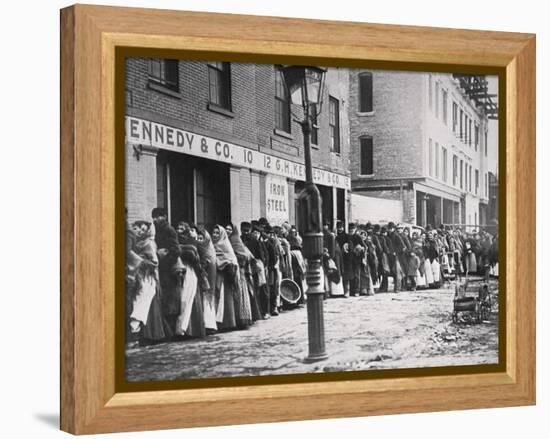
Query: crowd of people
[[189, 282]]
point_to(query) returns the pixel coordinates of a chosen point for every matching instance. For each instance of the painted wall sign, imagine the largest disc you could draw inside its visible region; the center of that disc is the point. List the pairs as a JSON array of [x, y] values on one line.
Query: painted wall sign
[[276, 199], [143, 132]]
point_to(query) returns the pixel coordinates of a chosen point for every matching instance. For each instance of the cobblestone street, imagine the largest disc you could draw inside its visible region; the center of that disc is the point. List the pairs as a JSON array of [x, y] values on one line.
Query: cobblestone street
[[388, 330]]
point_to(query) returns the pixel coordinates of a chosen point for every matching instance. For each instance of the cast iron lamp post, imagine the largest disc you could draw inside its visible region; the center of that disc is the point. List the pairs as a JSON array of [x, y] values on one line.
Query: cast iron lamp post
[[305, 85]]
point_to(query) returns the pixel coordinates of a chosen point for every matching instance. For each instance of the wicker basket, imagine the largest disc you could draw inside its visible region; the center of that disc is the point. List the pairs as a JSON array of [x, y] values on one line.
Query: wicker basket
[[290, 291]]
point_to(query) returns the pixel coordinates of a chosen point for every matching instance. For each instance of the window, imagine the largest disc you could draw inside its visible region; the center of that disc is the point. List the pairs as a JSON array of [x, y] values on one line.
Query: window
[[470, 132], [430, 91], [477, 181], [436, 160], [430, 158], [461, 174], [219, 78], [486, 184], [334, 124], [455, 169], [437, 99], [367, 167], [444, 164], [314, 124], [486, 147], [476, 138], [444, 105], [164, 72], [365, 92], [465, 129], [470, 179], [455, 117], [461, 124], [282, 104]]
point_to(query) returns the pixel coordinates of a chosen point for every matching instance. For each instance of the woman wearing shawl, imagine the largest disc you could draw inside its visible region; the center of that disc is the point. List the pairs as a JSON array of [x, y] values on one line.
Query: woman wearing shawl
[[470, 247], [413, 262], [207, 254], [298, 262], [226, 279], [146, 317], [191, 284], [245, 293]]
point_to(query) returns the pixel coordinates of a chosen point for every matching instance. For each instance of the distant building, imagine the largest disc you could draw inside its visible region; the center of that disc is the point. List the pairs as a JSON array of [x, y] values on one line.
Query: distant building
[[421, 139], [214, 142], [492, 217]]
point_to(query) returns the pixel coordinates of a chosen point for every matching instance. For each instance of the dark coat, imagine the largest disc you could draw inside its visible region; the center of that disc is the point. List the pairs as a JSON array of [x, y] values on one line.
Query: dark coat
[[167, 238], [329, 242], [256, 247]]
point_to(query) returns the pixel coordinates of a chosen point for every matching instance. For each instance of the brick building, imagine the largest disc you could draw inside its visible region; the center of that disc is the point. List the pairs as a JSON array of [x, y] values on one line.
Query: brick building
[[421, 139], [214, 142]]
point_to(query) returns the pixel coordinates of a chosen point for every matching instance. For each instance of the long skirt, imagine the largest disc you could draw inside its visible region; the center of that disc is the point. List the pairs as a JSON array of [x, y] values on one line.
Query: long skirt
[[471, 265], [196, 326], [412, 264], [428, 272], [366, 286], [209, 307], [420, 279], [243, 310], [146, 290], [170, 286], [209, 298], [436, 270], [459, 269], [225, 313], [155, 329], [254, 299], [187, 292]]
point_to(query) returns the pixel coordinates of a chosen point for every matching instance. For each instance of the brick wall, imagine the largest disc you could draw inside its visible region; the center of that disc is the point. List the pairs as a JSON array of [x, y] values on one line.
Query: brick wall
[[253, 106], [395, 124]]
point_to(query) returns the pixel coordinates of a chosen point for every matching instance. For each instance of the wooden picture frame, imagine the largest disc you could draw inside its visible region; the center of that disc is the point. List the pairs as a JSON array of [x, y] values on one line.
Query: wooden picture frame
[[90, 37]]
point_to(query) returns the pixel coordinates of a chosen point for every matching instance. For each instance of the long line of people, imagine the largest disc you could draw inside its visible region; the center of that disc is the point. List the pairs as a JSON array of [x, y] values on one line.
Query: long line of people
[[188, 282]]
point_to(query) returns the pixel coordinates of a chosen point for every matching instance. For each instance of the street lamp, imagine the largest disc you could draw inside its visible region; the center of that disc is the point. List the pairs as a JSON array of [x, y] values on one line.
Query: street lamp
[[305, 86]]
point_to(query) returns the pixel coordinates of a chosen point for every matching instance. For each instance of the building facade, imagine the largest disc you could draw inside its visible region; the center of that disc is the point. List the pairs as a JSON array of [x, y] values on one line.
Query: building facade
[[420, 139], [218, 142]]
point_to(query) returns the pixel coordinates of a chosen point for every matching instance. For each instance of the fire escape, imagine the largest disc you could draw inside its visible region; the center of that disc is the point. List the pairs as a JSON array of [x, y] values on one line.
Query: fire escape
[[476, 88]]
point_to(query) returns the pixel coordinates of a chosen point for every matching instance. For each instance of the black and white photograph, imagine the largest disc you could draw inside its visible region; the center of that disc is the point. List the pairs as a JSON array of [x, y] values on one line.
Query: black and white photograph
[[289, 219]]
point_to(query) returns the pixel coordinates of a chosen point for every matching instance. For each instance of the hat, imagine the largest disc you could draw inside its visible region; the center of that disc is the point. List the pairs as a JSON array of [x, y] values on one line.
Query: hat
[[368, 226], [158, 211], [255, 229], [352, 226], [268, 229], [376, 227], [391, 225], [245, 225], [263, 221], [383, 230]]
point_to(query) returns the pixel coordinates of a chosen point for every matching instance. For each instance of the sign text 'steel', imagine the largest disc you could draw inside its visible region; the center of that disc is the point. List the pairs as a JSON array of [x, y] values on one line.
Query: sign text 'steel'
[[276, 199], [143, 132]]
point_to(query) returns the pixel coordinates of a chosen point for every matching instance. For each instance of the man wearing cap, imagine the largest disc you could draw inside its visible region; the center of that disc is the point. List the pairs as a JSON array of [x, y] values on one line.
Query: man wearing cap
[[274, 252], [343, 241], [168, 251], [396, 248]]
